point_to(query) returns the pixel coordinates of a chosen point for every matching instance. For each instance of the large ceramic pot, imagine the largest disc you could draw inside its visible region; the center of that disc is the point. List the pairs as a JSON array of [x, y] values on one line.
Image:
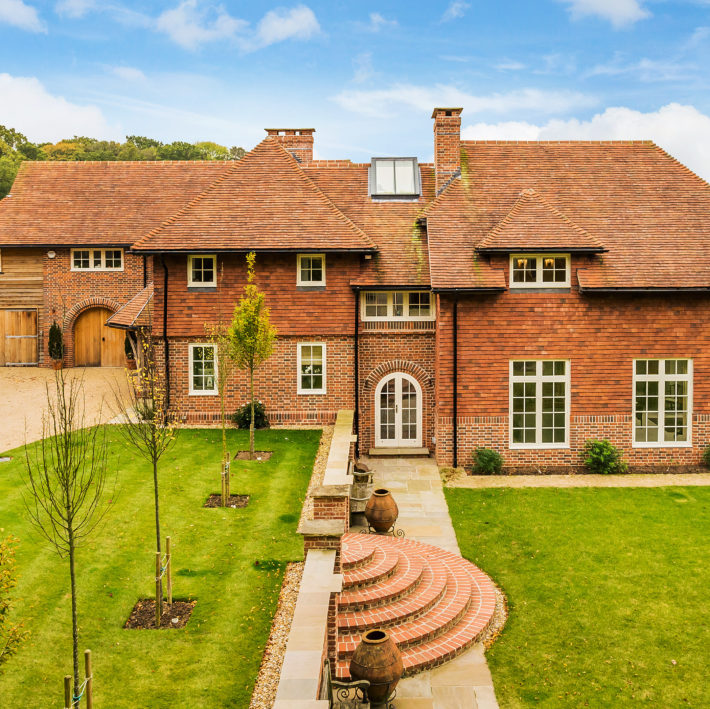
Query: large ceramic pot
[[377, 659], [381, 510]]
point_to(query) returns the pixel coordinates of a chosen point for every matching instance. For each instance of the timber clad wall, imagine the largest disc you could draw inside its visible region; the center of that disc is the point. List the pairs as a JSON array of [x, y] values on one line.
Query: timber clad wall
[[69, 293], [600, 335]]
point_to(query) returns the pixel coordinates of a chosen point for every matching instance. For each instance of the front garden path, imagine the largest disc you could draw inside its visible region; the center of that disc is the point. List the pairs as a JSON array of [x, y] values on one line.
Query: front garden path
[[629, 480], [465, 682]]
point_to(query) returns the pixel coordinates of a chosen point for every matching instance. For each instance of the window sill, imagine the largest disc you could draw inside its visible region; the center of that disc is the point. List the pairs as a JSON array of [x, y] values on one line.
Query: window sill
[[202, 289], [538, 446], [319, 392], [654, 444], [203, 393], [540, 289], [307, 288]]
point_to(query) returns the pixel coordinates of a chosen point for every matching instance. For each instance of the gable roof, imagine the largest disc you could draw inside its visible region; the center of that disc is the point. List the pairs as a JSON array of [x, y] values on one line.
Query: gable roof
[[535, 225], [649, 211], [264, 202], [135, 313], [98, 203]]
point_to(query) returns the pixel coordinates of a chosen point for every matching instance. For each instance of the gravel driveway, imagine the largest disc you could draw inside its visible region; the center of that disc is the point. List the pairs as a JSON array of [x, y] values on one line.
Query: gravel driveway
[[23, 399]]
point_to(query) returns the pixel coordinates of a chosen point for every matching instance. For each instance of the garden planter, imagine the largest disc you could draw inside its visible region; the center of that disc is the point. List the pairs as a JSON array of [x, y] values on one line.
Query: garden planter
[[130, 363], [378, 660], [381, 511], [57, 364]]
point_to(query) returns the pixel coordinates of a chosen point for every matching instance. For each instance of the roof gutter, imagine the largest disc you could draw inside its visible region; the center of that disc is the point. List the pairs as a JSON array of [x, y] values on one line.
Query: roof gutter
[[663, 289], [217, 250], [492, 289], [543, 250]]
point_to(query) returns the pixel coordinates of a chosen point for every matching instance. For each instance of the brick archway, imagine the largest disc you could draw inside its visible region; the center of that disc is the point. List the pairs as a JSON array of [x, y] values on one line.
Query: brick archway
[[71, 316], [398, 365]]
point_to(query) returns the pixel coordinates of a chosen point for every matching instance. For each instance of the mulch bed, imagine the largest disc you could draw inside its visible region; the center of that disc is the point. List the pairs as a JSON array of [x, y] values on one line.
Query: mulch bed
[[582, 470], [143, 615], [234, 501], [258, 455]]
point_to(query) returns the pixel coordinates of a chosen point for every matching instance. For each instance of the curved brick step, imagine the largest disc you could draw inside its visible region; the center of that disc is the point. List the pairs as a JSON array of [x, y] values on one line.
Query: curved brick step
[[429, 592], [405, 579], [434, 618], [356, 554], [436, 621], [382, 565]]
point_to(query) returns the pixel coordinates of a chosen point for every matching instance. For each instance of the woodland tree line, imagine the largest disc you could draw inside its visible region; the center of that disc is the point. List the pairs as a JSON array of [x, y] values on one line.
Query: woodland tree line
[[15, 148]]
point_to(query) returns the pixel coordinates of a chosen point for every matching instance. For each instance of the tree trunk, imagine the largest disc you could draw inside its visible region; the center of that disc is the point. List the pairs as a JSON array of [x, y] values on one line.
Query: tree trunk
[[74, 622], [159, 599], [251, 423]]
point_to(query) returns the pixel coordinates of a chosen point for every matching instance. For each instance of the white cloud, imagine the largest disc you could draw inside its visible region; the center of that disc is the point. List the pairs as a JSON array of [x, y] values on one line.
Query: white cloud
[[647, 70], [128, 73], [190, 25], [281, 24], [363, 67], [74, 8], [510, 65], [455, 10], [18, 14], [28, 107], [400, 98], [378, 22], [194, 23], [681, 130], [619, 12]]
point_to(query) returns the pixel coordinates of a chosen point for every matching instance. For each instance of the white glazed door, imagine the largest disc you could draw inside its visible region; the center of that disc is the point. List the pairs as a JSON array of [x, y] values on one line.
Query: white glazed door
[[398, 406]]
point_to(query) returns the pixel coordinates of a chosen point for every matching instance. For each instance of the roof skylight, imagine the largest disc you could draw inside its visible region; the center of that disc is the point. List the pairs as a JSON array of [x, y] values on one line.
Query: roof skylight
[[394, 177]]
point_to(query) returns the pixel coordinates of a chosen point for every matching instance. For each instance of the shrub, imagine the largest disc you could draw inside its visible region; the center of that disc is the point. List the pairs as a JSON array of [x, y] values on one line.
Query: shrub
[[603, 458], [241, 418], [127, 348], [56, 342], [487, 462], [706, 456]]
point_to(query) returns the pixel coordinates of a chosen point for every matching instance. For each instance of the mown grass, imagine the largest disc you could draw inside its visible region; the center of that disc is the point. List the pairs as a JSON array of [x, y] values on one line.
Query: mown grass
[[608, 592], [213, 662]]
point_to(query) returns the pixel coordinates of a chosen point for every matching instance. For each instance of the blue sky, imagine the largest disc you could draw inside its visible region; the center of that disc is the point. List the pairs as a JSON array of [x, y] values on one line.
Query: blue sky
[[365, 75]]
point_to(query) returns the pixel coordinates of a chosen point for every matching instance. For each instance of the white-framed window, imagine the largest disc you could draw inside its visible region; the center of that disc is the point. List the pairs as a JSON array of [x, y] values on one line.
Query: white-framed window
[[203, 369], [310, 270], [394, 177], [97, 259], [202, 270], [397, 305], [539, 271], [663, 402], [539, 403], [311, 368]]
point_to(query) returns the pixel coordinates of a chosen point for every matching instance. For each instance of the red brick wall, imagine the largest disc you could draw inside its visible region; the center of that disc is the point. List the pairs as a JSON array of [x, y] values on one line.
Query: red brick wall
[[68, 293], [276, 384], [294, 311], [600, 334], [385, 352]]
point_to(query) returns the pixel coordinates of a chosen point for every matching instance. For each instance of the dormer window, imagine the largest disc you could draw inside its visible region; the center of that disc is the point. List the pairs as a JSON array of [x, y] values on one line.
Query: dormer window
[[310, 270], [394, 177], [539, 271], [202, 271]]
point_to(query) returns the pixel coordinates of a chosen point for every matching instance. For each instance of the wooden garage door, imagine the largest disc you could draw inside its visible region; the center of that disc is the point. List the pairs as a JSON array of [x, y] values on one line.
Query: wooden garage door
[[19, 337], [95, 344]]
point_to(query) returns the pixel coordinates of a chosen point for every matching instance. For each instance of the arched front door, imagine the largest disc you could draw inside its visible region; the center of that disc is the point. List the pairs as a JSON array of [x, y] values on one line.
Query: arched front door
[[398, 412], [95, 344]]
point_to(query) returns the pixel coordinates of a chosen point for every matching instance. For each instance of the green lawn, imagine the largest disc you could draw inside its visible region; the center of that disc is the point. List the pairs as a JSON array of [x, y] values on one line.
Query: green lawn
[[213, 662], [608, 592]]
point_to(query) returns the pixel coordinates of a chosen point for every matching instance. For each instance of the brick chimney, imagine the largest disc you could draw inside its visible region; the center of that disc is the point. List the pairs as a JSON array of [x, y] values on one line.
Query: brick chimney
[[447, 144], [298, 141]]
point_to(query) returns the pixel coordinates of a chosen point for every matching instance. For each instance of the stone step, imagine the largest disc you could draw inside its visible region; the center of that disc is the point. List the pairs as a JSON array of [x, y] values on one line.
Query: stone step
[[399, 452], [429, 592], [405, 579], [381, 566]]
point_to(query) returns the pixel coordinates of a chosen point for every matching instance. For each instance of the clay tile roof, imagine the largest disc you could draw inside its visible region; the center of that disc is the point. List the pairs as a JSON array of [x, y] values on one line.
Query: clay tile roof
[[112, 203], [264, 202], [535, 225], [648, 210], [135, 313], [454, 263]]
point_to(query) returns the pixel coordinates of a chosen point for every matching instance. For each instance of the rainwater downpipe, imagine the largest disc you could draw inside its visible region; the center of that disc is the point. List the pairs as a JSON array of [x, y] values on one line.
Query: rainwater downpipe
[[166, 347], [456, 381], [357, 374]]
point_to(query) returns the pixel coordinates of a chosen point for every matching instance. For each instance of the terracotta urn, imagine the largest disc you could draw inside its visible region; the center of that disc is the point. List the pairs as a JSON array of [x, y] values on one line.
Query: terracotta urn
[[377, 659], [381, 511], [57, 364]]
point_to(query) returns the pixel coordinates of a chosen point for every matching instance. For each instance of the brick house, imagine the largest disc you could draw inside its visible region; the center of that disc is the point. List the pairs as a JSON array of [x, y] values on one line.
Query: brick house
[[519, 296]]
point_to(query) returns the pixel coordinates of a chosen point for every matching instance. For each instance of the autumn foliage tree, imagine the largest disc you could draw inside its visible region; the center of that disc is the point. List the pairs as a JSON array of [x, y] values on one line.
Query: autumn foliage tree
[[11, 634], [252, 335]]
